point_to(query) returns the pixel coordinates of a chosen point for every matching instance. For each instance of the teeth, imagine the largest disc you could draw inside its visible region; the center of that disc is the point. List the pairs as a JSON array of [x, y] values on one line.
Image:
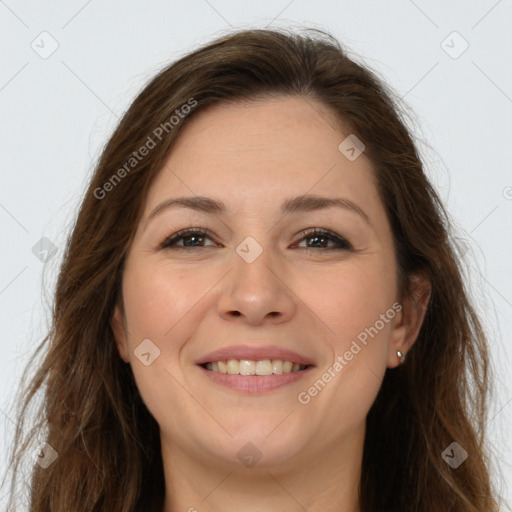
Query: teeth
[[233, 367], [264, 367], [277, 366], [249, 367]]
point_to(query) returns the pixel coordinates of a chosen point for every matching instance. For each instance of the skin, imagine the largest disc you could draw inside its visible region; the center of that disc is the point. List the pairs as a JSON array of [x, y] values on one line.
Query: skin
[[253, 156]]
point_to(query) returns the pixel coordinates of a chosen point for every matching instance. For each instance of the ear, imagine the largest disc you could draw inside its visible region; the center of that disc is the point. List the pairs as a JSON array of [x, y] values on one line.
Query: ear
[[410, 319], [120, 333]]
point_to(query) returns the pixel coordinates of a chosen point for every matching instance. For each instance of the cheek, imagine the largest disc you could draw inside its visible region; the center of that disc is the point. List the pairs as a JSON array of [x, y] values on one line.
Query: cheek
[[350, 302], [357, 308], [157, 299]]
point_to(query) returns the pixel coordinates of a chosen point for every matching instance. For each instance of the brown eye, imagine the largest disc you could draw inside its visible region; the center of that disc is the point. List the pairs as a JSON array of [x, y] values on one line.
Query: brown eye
[[192, 239], [321, 237]]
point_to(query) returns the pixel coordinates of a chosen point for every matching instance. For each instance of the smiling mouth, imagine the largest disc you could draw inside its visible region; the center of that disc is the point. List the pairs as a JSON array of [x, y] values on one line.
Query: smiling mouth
[[250, 367]]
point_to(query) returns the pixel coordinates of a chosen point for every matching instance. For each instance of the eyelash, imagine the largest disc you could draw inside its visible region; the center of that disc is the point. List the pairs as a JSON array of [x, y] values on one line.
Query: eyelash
[[344, 245]]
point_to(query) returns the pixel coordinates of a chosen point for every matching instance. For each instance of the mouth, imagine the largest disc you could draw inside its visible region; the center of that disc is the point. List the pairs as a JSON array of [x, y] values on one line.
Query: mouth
[[254, 370], [249, 367]]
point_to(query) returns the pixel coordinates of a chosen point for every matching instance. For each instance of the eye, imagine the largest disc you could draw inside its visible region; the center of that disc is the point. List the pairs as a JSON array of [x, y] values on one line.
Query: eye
[[322, 236], [194, 238], [191, 235]]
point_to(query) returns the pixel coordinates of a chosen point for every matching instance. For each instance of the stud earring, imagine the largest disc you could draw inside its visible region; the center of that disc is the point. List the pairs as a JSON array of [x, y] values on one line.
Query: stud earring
[[400, 356]]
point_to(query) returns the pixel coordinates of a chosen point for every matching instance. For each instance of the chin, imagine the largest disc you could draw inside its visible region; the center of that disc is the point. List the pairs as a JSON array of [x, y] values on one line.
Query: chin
[[270, 445]]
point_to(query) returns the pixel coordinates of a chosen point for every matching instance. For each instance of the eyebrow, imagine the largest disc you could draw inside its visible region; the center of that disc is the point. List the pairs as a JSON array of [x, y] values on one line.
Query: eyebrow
[[304, 203]]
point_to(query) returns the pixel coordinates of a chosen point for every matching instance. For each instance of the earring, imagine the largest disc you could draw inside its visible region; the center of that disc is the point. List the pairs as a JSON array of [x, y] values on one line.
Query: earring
[[400, 356]]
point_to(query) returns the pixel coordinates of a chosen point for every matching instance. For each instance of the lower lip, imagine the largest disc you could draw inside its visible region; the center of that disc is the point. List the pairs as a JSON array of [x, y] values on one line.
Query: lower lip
[[253, 384]]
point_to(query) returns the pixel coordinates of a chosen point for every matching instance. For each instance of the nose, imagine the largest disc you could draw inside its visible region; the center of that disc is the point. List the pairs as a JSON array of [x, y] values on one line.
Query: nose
[[257, 292]]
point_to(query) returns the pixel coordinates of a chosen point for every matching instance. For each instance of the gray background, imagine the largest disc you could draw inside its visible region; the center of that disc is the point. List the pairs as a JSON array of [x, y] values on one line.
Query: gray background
[[58, 110]]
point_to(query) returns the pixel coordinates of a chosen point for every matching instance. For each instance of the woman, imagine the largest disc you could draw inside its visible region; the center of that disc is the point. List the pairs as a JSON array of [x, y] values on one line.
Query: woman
[[259, 306]]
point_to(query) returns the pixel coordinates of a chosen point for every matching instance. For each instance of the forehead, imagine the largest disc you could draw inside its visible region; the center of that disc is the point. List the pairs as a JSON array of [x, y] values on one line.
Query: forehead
[[252, 152]]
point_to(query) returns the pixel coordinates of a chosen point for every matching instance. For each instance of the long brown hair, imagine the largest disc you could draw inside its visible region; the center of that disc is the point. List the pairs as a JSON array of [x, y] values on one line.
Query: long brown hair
[[92, 414]]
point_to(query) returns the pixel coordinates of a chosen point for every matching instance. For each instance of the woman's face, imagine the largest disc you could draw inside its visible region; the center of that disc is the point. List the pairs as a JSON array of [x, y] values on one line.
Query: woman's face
[[259, 293]]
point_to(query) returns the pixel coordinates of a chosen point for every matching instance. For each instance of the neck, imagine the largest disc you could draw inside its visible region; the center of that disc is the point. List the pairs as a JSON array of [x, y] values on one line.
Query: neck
[[326, 481]]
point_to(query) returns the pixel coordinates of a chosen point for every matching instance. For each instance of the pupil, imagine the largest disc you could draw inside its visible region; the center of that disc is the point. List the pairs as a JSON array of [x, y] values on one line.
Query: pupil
[[316, 238], [189, 238]]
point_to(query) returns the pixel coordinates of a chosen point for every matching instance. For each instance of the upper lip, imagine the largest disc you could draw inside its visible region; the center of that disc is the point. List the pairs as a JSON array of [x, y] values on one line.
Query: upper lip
[[254, 353]]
